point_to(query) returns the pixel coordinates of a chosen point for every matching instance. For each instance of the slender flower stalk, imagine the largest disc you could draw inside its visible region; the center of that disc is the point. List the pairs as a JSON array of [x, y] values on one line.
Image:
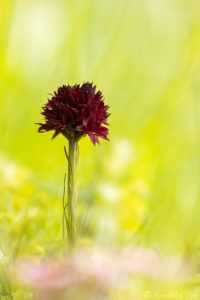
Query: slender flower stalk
[[72, 190], [75, 111]]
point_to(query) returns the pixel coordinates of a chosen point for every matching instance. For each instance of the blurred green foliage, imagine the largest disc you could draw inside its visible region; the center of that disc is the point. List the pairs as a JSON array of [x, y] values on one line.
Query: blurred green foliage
[[142, 187]]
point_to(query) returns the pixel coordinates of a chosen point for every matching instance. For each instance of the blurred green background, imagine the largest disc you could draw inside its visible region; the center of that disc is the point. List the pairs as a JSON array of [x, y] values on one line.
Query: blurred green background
[[141, 188]]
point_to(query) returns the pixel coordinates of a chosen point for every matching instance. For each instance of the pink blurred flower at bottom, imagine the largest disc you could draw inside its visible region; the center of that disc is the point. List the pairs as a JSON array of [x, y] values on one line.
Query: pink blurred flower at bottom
[[95, 273]]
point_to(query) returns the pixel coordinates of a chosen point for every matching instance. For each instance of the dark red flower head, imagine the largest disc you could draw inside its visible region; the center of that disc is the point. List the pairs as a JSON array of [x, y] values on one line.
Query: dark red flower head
[[75, 111]]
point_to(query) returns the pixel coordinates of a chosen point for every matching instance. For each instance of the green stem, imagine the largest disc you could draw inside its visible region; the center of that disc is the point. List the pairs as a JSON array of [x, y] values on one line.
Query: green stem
[[72, 161]]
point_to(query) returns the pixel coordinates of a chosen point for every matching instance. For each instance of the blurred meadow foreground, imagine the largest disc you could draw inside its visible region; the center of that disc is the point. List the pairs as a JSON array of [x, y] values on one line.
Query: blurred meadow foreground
[[138, 205]]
